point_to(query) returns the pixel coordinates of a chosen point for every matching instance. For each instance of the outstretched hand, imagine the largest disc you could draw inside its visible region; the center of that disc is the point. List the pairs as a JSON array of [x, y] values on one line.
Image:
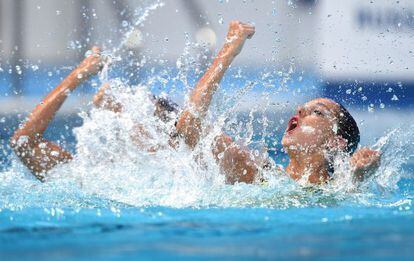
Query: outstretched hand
[[105, 100], [365, 162], [91, 65], [237, 34]]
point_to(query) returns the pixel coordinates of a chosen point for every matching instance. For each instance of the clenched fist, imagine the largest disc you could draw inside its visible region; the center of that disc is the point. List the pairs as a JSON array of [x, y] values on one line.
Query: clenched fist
[[91, 65], [237, 34]]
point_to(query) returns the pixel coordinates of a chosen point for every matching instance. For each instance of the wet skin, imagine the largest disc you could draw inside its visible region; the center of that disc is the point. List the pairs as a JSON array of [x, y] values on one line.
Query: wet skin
[[306, 143], [310, 134]]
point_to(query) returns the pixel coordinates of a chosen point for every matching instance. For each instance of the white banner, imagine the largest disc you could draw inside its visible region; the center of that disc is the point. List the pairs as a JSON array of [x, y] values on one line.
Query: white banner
[[371, 40]]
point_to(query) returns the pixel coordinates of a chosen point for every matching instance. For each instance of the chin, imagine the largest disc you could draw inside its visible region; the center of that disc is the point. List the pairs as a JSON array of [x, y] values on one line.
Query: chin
[[289, 142], [303, 143], [285, 141]]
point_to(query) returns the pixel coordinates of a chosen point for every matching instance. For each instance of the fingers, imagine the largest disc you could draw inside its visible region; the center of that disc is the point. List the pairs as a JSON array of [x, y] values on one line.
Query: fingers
[[237, 23], [366, 158], [366, 152], [96, 52], [104, 89], [247, 29], [250, 33], [93, 63]]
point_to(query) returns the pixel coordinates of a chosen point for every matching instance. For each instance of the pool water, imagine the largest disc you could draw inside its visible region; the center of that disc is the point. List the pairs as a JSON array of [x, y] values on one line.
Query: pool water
[[114, 202], [57, 221], [165, 233]]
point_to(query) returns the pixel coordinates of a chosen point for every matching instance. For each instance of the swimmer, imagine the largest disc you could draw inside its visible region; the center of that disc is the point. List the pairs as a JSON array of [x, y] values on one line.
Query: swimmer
[[40, 155], [320, 128], [320, 125]]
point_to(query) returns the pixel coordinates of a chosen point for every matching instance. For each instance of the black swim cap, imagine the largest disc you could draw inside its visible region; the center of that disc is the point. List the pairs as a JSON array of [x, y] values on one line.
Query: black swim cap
[[348, 129], [165, 108]]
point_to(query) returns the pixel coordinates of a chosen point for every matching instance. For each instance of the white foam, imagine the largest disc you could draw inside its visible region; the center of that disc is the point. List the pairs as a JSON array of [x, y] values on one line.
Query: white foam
[[307, 129]]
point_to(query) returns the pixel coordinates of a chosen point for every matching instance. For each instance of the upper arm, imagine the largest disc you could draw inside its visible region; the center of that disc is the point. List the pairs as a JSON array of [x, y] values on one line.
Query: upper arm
[[189, 127], [39, 155]]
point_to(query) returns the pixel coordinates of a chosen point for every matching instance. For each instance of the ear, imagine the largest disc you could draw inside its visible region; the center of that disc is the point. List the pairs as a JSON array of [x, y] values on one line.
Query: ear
[[338, 143]]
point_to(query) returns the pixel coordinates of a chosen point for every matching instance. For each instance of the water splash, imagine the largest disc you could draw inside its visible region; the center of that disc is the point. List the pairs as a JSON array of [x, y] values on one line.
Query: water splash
[[111, 169]]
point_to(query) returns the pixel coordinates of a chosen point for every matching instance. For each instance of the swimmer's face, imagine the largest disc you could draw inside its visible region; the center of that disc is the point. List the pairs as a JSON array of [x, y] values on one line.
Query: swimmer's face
[[313, 128]]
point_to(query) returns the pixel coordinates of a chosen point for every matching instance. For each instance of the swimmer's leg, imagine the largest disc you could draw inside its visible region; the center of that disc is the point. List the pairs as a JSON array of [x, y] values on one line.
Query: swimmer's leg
[[189, 122], [38, 154]]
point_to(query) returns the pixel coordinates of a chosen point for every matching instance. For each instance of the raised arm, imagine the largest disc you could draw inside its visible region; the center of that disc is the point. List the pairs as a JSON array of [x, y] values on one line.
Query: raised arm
[[189, 123], [37, 153]]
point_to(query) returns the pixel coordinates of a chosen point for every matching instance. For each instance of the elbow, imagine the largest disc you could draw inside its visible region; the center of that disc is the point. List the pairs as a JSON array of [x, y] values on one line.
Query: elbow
[[14, 140], [19, 140]]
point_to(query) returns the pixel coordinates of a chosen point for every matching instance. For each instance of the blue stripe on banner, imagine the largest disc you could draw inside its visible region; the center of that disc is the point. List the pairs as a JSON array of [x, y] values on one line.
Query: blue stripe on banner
[[390, 94]]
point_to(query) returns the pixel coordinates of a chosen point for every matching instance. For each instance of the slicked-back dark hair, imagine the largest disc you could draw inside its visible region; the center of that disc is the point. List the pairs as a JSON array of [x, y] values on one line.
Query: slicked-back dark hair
[[165, 107], [348, 129]]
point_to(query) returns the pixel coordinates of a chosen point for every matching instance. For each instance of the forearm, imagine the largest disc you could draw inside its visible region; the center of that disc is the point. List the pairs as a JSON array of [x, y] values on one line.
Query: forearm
[[201, 96], [44, 112], [38, 154], [190, 120]]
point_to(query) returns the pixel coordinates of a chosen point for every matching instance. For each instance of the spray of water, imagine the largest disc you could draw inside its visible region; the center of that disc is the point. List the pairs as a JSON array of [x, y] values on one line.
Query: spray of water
[[111, 168]]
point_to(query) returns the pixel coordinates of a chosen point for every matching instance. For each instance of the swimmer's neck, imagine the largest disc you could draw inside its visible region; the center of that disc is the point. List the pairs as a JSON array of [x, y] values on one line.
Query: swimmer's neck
[[312, 165]]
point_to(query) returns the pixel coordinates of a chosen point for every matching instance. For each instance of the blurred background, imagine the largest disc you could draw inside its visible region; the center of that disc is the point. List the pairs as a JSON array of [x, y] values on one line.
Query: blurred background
[[358, 52]]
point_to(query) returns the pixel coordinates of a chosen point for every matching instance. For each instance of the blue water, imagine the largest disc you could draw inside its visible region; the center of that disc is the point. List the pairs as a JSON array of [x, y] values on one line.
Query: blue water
[[341, 232], [105, 229], [38, 221], [322, 227]]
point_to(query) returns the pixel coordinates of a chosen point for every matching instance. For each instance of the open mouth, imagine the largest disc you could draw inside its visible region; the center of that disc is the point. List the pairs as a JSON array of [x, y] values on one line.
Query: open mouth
[[293, 124]]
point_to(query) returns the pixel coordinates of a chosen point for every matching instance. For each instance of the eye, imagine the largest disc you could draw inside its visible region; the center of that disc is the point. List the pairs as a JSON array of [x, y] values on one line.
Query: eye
[[317, 112]]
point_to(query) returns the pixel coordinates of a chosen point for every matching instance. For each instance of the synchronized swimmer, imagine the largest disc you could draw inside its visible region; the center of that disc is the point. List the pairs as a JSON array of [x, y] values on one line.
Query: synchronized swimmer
[[319, 128]]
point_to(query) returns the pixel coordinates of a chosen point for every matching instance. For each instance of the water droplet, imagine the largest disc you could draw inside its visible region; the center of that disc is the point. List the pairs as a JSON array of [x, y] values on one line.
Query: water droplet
[[371, 108], [221, 19]]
